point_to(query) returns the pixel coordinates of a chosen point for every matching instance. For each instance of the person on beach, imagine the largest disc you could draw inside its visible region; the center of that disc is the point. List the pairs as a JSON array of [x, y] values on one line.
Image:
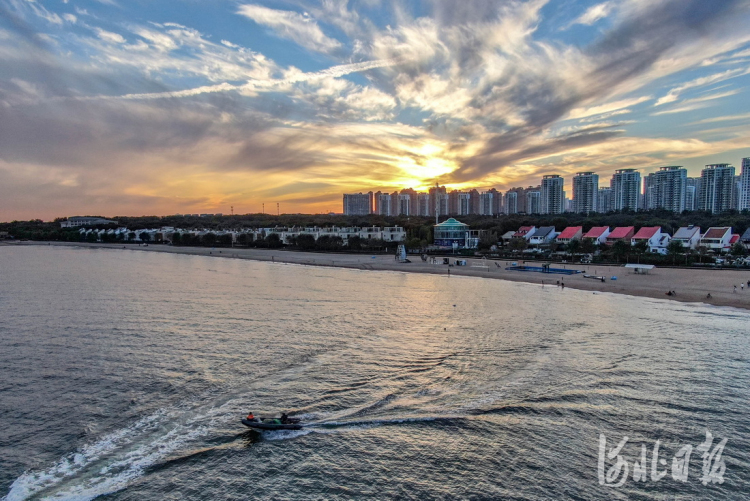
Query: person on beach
[[735, 290], [708, 296]]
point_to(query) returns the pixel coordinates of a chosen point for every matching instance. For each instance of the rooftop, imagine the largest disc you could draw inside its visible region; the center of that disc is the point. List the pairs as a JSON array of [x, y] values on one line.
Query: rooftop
[[596, 231], [717, 232], [646, 232], [570, 232], [687, 232], [621, 232]]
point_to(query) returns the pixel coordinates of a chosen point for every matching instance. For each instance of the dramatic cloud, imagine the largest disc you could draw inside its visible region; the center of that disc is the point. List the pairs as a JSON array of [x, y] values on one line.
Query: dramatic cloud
[[107, 110]]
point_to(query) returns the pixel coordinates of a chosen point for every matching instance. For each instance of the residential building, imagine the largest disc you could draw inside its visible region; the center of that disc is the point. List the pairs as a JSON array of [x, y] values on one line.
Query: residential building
[[533, 202], [585, 192], [525, 232], [626, 190], [745, 239], [552, 194], [358, 204], [76, 221], [511, 202], [744, 198], [497, 201], [543, 235], [424, 205], [666, 189], [569, 233], [439, 197], [404, 204], [487, 203], [688, 236], [717, 239], [624, 233], [604, 200], [597, 234], [656, 240], [383, 204], [717, 188]]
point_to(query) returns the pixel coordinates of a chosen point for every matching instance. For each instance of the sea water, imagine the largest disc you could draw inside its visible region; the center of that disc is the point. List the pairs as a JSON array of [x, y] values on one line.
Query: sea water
[[125, 374]]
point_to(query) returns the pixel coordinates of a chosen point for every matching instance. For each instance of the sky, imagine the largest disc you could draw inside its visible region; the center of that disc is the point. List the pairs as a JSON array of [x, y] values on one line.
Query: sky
[[154, 107]]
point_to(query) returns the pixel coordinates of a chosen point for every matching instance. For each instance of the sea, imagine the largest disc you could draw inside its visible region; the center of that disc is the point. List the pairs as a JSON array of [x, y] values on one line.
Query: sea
[[124, 376]]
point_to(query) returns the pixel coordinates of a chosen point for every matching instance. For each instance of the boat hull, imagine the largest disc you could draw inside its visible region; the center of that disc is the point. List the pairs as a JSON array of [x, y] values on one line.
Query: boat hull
[[258, 425]]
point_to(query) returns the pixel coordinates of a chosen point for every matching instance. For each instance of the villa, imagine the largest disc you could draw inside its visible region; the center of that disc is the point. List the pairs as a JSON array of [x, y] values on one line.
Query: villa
[[598, 234], [570, 233], [688, 236]]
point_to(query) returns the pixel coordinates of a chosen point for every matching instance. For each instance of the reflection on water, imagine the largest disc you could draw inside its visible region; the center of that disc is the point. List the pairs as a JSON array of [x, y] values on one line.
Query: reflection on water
[[126, 373]]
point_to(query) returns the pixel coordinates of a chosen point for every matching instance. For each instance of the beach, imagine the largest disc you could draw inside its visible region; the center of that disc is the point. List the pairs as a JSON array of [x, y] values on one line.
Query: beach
[[690, 285]]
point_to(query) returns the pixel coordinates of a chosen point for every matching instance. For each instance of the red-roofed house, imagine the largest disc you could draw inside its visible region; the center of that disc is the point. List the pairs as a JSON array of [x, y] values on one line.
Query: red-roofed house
[[735, 238], [717, 238], [525, 232], [657, 241], [598, 234], [621, 233], [570, 233]]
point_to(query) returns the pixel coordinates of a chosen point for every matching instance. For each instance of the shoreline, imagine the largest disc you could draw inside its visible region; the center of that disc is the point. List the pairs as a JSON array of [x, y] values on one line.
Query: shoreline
[[690, 285]]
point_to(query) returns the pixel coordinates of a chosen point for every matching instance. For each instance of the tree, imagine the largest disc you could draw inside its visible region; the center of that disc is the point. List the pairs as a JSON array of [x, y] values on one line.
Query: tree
[[225, 239], [675, 248], [273, 241], [702, 251], [354, 243], [145, 237], [738, 249], [588, 246], [641, 247], [518, 244], [131, 236], [305, 241], [573, 247], [620, 249], [91, 237], [176, 238], [209, 239]]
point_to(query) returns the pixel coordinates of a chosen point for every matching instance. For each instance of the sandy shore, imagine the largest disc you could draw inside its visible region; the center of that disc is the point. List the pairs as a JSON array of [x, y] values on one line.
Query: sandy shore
[[691, 285]]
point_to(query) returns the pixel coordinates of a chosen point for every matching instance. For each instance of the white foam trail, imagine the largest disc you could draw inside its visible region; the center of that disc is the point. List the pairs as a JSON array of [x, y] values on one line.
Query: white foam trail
[[111, 463], [31, 483]]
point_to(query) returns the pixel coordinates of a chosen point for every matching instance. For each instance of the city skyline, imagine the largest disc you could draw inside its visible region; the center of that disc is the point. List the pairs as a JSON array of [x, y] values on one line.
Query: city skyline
[[152, 108]]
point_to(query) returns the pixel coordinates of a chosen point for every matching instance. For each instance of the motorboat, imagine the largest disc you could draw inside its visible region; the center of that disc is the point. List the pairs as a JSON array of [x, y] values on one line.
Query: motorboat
[[273, 423]]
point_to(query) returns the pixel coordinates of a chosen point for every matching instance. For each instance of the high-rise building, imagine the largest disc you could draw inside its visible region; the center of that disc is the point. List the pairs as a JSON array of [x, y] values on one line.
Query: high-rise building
[[404, 204], [439, 196], [604, 200], [533, 202], [586, 192], [382, 204], [394, 204], [423, 204], [717, 188], [552, 195], [520, 200], [665, 189], [358, 204], [692, 190], [511, 202], [497, 201], [487, 203], [626, 189], [744, 202]]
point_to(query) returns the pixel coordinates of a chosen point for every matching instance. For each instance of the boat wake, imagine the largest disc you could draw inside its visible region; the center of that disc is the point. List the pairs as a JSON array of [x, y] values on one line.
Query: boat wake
[[112, 462]]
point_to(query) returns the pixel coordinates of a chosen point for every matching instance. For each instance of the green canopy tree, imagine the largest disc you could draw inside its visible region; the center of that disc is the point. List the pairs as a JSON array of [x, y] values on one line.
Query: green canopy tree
[[674, 249]]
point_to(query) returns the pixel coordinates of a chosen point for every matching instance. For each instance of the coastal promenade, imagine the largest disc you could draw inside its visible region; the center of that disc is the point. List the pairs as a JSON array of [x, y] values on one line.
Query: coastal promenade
[[690, 285]]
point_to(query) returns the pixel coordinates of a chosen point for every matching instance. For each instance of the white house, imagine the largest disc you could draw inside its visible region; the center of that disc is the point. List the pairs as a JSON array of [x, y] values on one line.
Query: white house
[[543, 235], [717, 238], [657, 241], [598, 234], [688, 236]]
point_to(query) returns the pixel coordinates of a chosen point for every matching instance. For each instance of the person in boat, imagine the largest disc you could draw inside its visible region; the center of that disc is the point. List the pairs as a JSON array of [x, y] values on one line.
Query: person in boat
[[284, 418], [250, 417]]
